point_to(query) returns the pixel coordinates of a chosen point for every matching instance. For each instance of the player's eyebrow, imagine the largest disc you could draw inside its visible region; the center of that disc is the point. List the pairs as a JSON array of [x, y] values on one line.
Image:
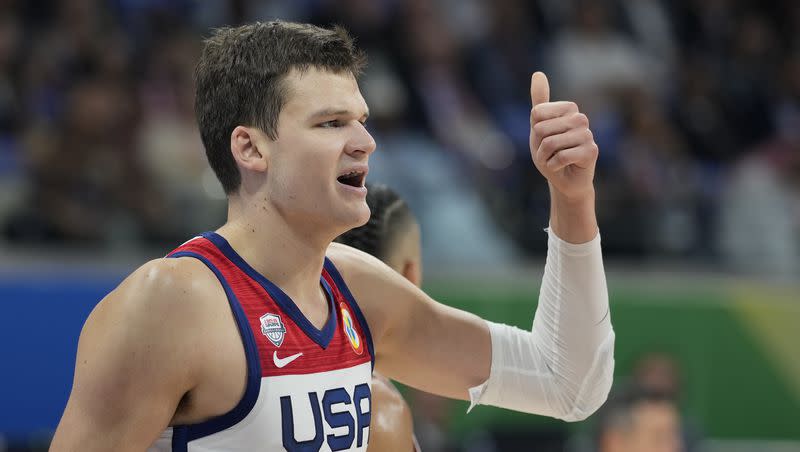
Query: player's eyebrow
[[336, 112]]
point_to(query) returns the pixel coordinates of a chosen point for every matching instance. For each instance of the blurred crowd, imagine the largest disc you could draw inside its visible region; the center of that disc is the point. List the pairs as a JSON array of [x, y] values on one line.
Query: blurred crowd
[[695, 105]]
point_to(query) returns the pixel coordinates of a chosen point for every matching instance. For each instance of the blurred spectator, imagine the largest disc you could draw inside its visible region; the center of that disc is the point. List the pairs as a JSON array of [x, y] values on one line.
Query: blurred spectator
[[456, 117], [660, 373], [10, 34], [759, 225], [658, 183], [11, 105], [639, 420], [650, 24], [591, 59], [168, 139], [88, 183]]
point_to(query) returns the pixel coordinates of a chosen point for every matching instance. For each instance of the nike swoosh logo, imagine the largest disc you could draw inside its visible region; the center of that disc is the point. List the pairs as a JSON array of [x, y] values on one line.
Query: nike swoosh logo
[[283, 362]]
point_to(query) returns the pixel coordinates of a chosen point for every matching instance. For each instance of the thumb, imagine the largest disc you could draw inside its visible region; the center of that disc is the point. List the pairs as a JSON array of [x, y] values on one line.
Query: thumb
[[540, 89]]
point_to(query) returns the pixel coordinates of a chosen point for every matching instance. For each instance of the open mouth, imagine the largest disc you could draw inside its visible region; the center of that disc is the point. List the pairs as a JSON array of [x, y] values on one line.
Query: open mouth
[[353, 178]]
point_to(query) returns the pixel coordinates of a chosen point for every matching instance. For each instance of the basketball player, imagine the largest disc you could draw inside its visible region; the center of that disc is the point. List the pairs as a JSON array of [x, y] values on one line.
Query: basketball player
[[392, 235], [263, 335]]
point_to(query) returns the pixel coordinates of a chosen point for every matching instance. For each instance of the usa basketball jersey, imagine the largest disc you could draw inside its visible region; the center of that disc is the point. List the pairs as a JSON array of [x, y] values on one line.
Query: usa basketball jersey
[[307, 389]]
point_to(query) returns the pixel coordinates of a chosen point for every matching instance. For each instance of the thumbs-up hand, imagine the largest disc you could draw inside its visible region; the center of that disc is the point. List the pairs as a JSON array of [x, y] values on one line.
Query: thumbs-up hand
[[562, 146]]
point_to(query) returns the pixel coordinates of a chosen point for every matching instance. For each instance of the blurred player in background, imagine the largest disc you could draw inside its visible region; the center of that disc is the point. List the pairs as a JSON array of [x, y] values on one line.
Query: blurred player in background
[[660, 371], [392, 234], [263, 335], [638, 419]]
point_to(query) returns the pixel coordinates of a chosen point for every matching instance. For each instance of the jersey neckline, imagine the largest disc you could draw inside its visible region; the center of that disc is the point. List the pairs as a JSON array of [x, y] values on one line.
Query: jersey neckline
[[320, 336]]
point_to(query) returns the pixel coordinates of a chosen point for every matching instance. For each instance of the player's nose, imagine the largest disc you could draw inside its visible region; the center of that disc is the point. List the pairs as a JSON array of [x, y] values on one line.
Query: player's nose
[[361, 143]]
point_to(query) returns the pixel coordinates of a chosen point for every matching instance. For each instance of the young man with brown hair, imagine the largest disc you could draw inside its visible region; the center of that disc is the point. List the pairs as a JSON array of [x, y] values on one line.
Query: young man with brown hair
[[262, 335]]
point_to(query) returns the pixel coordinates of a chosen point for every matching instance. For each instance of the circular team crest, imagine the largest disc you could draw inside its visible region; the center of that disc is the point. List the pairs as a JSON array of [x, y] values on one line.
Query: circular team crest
[[350, 330], [272, 327]]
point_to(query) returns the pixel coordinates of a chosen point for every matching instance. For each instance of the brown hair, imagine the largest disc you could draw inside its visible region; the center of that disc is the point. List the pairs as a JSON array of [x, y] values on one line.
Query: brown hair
[[240, 80]]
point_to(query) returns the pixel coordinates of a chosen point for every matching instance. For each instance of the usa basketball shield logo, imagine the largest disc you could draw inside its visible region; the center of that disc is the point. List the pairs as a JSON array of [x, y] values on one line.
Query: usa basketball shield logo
[[272, 327]]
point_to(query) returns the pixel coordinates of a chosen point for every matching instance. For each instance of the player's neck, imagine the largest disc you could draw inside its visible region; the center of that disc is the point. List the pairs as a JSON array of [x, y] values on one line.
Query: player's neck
[[288, 255]]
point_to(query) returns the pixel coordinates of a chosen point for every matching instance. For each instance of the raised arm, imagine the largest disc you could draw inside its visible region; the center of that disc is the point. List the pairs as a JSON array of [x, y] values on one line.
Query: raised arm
[[562, 367], [133, 364], [571, 344]]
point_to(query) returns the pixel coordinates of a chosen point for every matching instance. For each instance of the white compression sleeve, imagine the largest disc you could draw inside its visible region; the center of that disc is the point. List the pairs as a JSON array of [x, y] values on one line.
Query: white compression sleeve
[[563, 368]]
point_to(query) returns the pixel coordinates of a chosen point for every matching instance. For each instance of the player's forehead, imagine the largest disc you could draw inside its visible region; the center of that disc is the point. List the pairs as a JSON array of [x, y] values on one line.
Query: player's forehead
[[316, 90]]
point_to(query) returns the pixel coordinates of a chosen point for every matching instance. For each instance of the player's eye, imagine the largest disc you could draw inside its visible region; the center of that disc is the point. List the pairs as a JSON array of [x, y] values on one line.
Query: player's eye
[[332, 124]]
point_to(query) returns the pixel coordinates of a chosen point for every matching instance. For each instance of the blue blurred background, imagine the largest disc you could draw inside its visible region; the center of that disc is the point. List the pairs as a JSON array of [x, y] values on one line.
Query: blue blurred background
[[695, 105]]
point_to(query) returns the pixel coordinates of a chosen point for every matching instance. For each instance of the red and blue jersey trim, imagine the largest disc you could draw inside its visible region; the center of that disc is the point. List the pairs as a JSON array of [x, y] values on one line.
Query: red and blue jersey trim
[[181, 435], [338, 282]]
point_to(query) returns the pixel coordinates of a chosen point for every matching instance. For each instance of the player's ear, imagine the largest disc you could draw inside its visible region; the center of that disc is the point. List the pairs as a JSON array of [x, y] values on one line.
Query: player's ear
[[250, 148], [412, 272]]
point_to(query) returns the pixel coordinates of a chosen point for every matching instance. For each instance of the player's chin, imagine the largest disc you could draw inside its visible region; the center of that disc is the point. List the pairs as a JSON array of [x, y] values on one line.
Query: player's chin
[[362, 215], [352, 201], [355, 215]]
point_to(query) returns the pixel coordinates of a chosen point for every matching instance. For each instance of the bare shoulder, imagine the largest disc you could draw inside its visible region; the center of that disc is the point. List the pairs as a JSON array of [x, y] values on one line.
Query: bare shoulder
[[159, 299], [167, 305], [168, 289], [169, 276]]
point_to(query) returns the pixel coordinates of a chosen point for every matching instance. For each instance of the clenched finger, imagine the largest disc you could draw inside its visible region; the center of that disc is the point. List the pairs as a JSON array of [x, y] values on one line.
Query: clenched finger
[[558, 125], [555, 143], [550, 110], [581, 156]]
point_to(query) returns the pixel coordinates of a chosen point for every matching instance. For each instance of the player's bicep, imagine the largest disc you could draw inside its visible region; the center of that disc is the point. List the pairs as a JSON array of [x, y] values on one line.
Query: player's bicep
[[128, 378], [432, 346]]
